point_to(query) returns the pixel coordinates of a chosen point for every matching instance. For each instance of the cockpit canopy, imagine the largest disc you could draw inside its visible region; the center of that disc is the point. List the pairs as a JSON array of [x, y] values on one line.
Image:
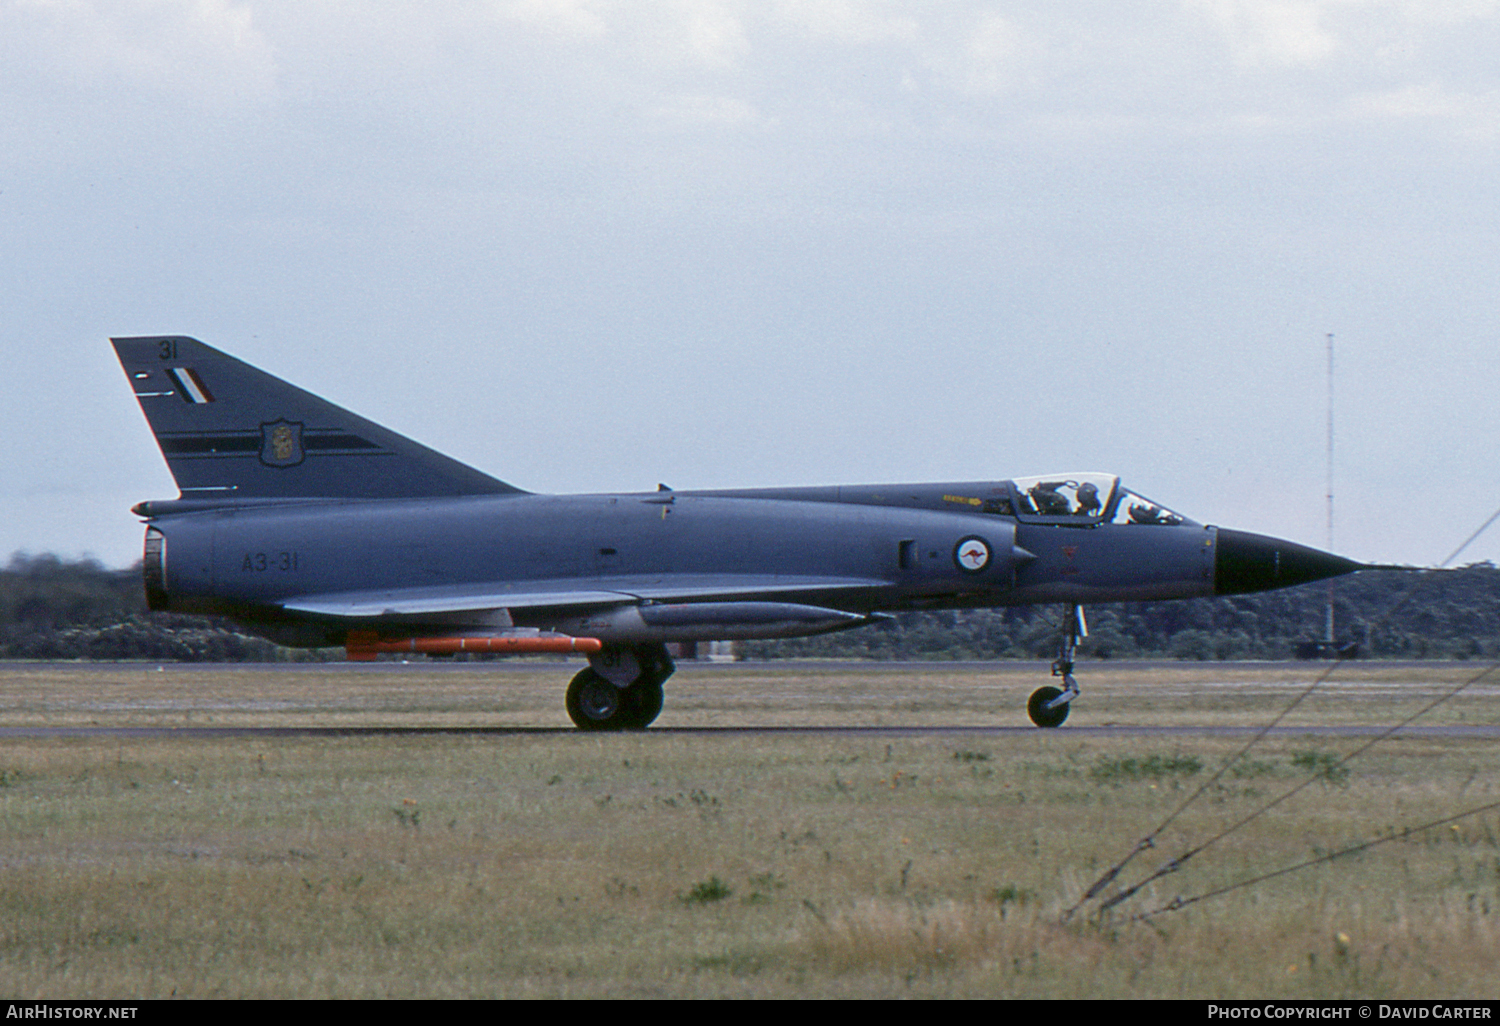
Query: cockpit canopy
[[1086, 499]]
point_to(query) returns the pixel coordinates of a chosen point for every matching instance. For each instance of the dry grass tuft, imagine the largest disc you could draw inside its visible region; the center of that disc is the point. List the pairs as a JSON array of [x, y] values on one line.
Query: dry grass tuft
[[535, 863], [876, 934]]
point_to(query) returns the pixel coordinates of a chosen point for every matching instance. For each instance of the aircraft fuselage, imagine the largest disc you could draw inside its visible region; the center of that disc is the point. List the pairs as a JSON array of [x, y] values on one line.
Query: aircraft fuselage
[[250, 562]]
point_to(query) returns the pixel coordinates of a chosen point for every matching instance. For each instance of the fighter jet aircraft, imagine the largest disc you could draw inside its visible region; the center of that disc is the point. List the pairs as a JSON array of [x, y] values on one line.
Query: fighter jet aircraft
[[315, 527]]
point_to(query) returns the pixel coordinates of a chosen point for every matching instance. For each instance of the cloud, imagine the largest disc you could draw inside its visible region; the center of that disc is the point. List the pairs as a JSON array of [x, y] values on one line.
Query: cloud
[[988, 59], [669, 34], [561, 18], [698, 110], [1271, 32], [847, 22], [193, 53], [1475, 116]]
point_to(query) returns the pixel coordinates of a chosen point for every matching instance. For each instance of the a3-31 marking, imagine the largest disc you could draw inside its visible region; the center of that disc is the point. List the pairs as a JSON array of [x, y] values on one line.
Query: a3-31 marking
[[286, 561]]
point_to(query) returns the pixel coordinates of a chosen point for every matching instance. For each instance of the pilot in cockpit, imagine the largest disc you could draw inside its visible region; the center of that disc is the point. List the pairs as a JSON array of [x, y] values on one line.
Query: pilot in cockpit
[[1087, 496], [1047, 501]]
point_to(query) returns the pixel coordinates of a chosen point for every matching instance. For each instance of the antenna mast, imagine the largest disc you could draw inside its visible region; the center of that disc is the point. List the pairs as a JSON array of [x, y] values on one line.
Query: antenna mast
[[1328, 632]]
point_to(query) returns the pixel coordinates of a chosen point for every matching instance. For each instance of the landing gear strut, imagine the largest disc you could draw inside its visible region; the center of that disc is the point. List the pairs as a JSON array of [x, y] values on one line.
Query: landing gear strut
[[621, 689], [1049, 706]]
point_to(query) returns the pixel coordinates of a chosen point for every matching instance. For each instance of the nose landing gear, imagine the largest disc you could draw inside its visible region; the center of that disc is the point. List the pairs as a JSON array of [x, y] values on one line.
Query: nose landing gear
[[1049, 706]]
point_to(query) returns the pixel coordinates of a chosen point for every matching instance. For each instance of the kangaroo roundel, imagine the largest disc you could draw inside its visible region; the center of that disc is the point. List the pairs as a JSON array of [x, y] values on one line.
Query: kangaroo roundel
[[972, 554]]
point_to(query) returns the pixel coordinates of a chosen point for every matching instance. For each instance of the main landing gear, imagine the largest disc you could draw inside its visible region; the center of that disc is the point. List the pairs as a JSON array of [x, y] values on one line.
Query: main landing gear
[[621, 689], [1049, 706]]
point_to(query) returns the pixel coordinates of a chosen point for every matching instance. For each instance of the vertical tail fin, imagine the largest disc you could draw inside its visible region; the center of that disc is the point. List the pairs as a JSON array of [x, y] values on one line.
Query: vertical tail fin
[[230, 432]]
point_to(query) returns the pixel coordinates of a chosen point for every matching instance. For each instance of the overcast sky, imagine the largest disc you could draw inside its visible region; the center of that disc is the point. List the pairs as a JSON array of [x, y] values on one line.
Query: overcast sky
[[591, 245]]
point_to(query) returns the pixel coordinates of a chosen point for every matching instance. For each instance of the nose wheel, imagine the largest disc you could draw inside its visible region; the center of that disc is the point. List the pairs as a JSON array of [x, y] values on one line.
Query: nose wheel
[[1041, 710], [1049, 706]]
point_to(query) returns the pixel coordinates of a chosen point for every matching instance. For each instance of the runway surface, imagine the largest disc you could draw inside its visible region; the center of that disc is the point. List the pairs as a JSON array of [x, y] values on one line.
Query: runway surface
[[1449, 731], [524, 698]]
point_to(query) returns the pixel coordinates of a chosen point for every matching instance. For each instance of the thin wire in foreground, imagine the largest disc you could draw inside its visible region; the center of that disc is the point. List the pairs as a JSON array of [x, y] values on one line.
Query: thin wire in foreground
[[1175, 864], [1181, 902], [1149, 841]]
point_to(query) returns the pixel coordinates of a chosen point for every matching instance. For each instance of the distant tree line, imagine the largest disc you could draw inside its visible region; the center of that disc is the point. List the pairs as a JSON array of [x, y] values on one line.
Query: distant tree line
[[1429, 614], [52, 608]]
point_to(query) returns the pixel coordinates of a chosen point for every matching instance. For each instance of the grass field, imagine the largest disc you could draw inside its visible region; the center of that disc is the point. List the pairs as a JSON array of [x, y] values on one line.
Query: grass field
[[774, 863]]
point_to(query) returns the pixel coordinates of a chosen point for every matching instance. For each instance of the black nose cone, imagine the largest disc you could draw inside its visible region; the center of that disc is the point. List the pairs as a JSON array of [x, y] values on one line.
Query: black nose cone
[[1246, 562]]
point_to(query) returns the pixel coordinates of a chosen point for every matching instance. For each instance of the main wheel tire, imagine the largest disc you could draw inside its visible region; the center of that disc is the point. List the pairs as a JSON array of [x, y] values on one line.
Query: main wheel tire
[[642, 703], [1037, 709], [595, 704]]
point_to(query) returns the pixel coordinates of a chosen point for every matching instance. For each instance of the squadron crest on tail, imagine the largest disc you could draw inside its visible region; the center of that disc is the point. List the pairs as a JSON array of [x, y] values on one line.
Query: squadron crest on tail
[[281, 443]]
